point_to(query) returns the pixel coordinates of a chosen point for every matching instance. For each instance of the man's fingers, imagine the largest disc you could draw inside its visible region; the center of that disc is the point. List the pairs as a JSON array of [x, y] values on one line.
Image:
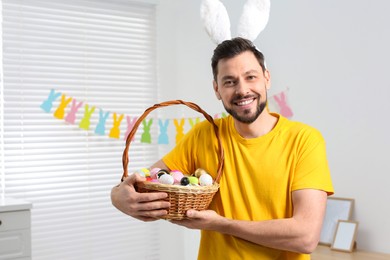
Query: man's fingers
[[143, 206], [153, 205], [152, 215], [151, 196], [150, 203], [133, 178]]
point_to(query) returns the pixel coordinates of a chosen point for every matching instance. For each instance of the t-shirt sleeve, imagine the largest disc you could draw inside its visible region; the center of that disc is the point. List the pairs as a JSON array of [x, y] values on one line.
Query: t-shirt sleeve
[[312, 169]]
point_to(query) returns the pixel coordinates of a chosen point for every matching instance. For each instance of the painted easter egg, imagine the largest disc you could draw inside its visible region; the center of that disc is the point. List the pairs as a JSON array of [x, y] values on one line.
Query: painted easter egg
[[205, 180], [162, 172], [193, 180], [153, 172], [177, 176], [184, 181], [199, 172], [165, 179]]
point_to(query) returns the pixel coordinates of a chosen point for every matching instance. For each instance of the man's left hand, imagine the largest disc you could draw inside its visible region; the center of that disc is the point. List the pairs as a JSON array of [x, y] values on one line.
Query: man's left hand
[[204, 220]]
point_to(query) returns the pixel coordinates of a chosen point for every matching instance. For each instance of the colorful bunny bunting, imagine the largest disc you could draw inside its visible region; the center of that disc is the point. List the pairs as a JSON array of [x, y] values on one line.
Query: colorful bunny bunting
[[48, 103], [284, 107], [101, 126], [86, 121], [193, 122], [130, 125], [278, 101], [60, 112], [163, 137], [71, 116], [146, 136], [179, 129], [115, 130]]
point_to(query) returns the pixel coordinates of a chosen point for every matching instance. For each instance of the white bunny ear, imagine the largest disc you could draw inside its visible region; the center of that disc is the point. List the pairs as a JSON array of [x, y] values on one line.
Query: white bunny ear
[[215, 20], [254, 18]]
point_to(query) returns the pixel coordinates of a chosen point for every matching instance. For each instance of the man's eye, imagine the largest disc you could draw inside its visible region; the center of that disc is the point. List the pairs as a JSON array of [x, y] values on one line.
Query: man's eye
[[229, 83]]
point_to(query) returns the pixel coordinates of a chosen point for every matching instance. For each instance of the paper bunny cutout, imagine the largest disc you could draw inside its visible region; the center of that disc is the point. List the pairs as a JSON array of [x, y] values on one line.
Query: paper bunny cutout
[[60, 112], [285, 109], [71, 116], [254, 18], [130, 125], [48, 103], [179, 129], [85, 122], [192, 122], [101, 126], [115, 131], [163, 137], [223, 114], [146, 137]]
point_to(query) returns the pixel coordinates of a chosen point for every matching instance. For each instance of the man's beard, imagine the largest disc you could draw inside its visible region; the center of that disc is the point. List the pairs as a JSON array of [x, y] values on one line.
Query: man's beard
[[246, 118]]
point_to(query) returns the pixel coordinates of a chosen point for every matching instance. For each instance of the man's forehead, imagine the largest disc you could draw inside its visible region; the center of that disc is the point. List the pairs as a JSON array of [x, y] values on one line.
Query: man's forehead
[[232, 69]]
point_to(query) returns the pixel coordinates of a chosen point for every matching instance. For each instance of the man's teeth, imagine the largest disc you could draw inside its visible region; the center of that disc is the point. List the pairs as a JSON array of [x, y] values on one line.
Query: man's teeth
[[243, 103]]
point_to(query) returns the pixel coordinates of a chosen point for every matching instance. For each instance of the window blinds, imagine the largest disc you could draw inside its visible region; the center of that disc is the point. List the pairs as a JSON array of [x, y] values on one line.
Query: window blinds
[[101, 53]]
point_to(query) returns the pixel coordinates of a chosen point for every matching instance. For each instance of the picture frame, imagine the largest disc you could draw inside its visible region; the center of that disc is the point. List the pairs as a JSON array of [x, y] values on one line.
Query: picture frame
[[345, 236], [336, 209]]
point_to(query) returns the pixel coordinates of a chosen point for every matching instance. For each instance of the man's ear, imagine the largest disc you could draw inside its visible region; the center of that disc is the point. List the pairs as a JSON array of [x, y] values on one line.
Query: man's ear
[[267, 76], [215, 86]]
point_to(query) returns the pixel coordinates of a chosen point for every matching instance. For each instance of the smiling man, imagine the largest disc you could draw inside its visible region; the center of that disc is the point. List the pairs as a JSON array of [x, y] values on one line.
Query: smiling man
[[275, 181]]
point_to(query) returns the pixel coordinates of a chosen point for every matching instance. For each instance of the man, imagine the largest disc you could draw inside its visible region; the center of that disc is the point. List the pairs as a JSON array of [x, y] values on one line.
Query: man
[[275, 181]]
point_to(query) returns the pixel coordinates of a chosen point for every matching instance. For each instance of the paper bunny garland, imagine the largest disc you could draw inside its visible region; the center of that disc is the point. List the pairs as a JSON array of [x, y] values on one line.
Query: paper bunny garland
[[252, 22], [279, 102]]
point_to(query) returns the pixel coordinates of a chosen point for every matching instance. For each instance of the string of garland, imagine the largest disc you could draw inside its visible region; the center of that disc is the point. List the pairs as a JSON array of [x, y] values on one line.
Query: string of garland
[[280, 102]]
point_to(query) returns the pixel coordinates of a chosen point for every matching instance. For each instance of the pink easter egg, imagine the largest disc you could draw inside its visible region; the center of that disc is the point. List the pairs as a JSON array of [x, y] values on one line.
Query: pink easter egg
[[177, 176], [153, 173]]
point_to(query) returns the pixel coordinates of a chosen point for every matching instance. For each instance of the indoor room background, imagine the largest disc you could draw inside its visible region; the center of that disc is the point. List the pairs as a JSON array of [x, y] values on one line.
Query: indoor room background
[[330, 59]]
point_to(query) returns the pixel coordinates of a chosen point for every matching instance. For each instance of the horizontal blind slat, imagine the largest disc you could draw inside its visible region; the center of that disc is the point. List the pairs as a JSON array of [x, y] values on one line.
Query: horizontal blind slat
[[103, 54]]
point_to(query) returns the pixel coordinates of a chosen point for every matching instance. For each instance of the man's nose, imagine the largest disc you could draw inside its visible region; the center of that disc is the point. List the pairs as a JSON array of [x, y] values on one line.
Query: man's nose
[[242, 88]]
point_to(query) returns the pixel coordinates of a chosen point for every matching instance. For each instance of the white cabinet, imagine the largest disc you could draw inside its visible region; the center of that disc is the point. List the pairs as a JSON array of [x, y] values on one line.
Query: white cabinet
[[15, 229]]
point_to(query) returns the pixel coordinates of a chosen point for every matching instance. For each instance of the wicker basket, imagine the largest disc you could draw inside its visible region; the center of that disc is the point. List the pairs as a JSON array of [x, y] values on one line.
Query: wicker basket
[[182, 198]]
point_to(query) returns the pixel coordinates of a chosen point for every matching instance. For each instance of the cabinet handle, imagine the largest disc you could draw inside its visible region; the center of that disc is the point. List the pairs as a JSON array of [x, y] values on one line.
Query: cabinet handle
[[0, 222]]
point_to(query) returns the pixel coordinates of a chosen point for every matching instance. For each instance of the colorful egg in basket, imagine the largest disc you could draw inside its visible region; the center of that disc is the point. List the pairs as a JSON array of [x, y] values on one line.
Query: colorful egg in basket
[[181, 198]]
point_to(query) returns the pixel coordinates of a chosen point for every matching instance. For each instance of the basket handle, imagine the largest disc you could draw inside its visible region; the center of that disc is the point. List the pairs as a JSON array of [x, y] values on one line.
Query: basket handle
[[125, 157]]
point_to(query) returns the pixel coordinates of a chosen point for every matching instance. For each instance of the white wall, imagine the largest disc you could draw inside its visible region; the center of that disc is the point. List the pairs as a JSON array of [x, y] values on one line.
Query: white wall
[[333, 55]]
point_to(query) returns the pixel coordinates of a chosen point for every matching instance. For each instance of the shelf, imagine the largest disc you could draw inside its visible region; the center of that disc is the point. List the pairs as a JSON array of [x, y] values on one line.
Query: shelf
[[325, 253]]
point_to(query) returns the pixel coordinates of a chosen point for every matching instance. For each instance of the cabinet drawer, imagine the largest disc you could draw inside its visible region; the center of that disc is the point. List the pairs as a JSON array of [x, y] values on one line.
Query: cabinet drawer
[[14, 220], [15, 244]]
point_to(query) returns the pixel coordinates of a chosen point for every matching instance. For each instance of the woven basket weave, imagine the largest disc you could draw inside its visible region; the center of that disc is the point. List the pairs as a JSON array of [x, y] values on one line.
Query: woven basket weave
[[181, 198]]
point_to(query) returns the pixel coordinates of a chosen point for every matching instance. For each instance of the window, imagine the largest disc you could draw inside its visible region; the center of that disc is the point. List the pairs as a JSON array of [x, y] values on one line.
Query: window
[[101, 53]]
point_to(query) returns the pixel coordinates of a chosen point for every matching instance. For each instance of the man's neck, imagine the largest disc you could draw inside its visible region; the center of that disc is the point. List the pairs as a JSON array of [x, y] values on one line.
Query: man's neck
[[263, 125]]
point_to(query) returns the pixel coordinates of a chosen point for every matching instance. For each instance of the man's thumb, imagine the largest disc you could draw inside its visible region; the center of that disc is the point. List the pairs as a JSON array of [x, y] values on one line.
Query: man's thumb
[[192, 213], [133, 178]]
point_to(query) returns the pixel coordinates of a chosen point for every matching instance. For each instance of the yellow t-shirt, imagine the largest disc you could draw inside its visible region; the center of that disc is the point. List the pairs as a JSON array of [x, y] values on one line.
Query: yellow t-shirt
[[258, 178]]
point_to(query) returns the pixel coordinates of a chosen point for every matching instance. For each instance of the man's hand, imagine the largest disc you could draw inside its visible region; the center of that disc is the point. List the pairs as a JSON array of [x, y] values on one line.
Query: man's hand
[[142, 206], [204, 220], [299, 233]]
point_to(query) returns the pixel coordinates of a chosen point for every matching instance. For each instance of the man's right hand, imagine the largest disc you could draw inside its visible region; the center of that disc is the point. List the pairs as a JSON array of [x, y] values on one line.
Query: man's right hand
[[142, 206]]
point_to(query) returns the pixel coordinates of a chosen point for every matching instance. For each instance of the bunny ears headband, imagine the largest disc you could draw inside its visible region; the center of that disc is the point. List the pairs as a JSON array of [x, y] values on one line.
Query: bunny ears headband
[[216, 20]]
